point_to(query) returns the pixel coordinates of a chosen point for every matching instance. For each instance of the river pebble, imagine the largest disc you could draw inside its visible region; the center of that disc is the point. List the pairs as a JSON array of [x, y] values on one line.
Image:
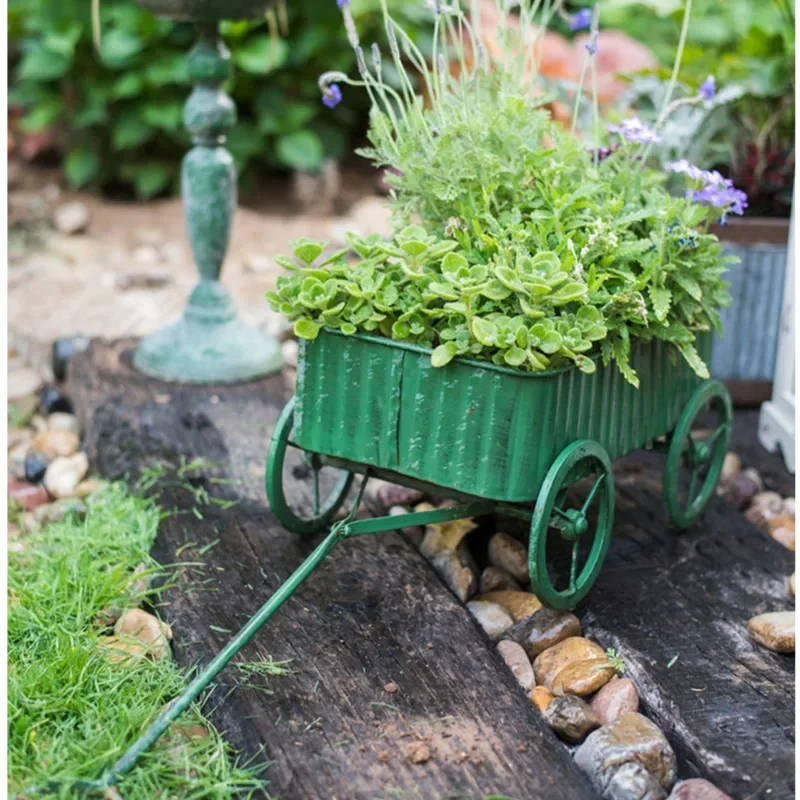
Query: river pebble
[[629, 758], [543, 629], [517, 661], [493, 618], [511, 555], [615, 699], [774, 630], [520, 605], [571, 718]]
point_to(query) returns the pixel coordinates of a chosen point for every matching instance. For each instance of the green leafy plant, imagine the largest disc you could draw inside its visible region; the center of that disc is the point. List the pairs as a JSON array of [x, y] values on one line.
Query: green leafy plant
[[747, 132], [529, 249], [119, 112]]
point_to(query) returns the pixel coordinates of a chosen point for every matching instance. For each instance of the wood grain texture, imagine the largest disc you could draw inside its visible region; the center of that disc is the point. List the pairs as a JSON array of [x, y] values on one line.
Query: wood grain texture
[[375, 613], [725, 703]]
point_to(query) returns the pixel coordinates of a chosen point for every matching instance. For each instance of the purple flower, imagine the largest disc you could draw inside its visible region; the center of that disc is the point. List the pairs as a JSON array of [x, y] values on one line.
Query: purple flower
[[634, 130], [733, 200], [591, 46], [708, 88], [715, 190], [332, 95], [581, 20], [342, 3]]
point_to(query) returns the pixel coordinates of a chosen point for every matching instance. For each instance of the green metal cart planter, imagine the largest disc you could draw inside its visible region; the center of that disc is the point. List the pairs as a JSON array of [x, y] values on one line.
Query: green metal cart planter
[[496, 440]]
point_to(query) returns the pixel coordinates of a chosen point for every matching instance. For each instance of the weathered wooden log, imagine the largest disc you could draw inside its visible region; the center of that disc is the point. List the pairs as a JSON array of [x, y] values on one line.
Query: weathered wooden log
[[393, 690], [676, 608]]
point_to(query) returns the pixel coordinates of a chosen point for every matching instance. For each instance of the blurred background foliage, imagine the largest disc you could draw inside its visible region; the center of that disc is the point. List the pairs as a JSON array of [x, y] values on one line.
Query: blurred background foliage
[[116, 117], [119, 113]]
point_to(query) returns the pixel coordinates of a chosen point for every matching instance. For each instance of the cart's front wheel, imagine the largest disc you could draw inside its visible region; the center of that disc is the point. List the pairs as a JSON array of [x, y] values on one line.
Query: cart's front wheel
[[700, 452], [310, 511], [579, 526]]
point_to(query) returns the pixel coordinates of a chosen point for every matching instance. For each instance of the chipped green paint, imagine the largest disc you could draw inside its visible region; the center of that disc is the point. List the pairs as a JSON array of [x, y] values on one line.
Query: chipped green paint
[[209, 344]]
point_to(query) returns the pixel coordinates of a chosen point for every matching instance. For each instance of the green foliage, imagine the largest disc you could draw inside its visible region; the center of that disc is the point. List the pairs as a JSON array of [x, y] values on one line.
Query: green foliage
[[122, 109], [528, 249], [748, 130], [71, 713]]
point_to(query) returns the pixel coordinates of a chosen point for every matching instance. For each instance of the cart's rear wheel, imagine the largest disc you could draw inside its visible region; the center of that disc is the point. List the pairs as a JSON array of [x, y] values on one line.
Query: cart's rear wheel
[[313, 513], [702, 455], [553, 518]]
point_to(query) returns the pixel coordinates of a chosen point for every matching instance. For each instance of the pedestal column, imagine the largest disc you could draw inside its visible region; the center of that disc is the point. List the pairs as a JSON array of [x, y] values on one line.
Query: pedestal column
[[209, 344]]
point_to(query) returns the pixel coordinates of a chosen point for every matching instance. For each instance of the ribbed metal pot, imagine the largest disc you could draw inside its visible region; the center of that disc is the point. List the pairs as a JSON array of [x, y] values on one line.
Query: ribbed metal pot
[[747, 350]]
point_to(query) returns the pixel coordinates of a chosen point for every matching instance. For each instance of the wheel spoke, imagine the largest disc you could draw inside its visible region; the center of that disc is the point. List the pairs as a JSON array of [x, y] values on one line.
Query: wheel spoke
[[720, 431], [316, 490], [573, 567], [693, 485], [592, 493]]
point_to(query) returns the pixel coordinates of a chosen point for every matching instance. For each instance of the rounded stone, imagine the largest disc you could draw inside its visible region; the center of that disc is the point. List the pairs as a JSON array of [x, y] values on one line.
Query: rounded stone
[[52, 399], [61, 421], [393, 494], [494, 619], [627, 756], [774, 630], [582, 678], [782, 530], [570, 718], [520, 605], [615, 699], [64, 474], [697, 789], [71, 217], [791, 584], [788, 506], [36, 464], [56, 512], [496, 578], [517, 661], [21, 383], [731, 465], [511, 555], [56, 444], [549, 664], [63, 352], [763, 507], [149, 630], [541, 696], [28, 495], [740, 490], [543, 629], [458, 578]]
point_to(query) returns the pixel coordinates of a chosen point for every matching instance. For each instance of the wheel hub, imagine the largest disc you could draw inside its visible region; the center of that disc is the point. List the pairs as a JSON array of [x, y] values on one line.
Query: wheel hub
[[576, 525]]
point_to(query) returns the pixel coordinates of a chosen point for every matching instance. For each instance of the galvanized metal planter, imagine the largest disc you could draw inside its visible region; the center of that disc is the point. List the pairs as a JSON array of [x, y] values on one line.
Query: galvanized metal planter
[[745, 356], [497, 439]]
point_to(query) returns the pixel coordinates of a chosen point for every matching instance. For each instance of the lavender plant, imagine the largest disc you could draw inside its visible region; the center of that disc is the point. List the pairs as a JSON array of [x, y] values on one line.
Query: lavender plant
[[516, 241]]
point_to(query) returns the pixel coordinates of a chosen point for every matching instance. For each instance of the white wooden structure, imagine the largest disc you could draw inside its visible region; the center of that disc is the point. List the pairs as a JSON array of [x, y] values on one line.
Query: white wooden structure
[[776, 423]]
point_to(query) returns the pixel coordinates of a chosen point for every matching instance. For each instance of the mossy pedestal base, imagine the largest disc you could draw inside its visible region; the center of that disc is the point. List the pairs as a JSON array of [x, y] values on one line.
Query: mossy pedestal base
[[209, 344]]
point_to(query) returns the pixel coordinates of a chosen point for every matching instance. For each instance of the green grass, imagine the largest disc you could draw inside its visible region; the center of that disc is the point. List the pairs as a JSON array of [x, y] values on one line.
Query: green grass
[[71, 713]]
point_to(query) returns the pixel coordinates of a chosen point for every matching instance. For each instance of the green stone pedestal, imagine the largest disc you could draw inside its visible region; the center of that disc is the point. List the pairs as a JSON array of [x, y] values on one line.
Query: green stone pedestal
[[209, 344]]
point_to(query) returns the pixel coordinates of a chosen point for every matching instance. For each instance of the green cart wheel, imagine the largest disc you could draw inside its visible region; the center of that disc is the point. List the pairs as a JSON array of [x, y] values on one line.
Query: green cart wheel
[[553, 517], [322, 511], [702, 457]]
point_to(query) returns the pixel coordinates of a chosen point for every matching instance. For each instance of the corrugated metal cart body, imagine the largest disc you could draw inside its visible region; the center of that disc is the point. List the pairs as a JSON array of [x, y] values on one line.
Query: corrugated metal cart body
[[476, 428]]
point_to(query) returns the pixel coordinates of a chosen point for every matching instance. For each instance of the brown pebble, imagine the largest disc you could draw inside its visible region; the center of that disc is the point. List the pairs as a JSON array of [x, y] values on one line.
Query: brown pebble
[[775, 630], [781, 529], [390, 688], [544, 629], [582, 678], [542, 697], [418, 753], [549, 664], [615, 699], [697, 789]]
